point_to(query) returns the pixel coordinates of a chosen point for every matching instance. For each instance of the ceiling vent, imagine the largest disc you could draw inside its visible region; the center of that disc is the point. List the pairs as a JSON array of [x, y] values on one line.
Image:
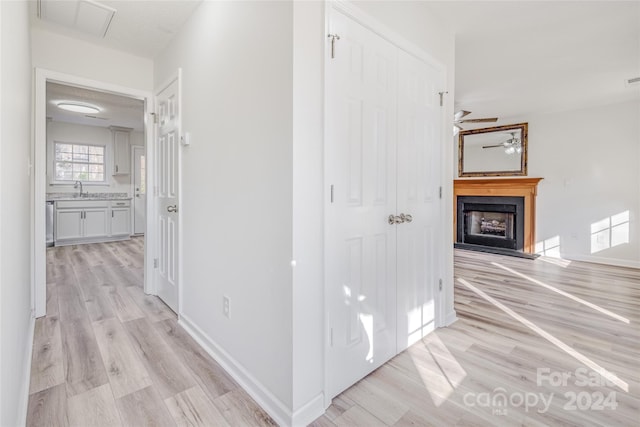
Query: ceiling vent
[[83, 15]]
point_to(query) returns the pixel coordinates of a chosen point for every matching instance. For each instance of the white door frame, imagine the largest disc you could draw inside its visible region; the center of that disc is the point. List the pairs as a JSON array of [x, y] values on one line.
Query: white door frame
[[133, 187], [361, 17], [39, 159]]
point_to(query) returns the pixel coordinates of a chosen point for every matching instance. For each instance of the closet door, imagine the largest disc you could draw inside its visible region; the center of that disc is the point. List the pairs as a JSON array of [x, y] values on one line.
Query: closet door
[[360, 171], [419, 136]]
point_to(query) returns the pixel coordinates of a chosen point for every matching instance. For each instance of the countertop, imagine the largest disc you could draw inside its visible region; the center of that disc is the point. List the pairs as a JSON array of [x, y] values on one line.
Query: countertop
[[52, 197]]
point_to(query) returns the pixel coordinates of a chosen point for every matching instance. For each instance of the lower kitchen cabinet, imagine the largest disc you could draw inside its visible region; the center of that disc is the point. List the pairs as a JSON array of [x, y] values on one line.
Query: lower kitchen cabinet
[[88, 221]]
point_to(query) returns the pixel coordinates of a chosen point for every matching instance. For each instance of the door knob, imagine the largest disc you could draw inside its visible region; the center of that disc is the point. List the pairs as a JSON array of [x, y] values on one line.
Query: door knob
[[394, 219], [173, 208], [406, 218]]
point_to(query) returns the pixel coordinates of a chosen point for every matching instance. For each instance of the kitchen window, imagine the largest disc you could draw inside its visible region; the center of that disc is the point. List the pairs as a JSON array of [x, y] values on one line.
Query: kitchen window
[[79, 162]]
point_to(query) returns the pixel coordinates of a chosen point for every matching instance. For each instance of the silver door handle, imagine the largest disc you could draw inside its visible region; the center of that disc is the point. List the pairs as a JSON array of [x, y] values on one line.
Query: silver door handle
[[173, 208], [406, 218], [394, 219]]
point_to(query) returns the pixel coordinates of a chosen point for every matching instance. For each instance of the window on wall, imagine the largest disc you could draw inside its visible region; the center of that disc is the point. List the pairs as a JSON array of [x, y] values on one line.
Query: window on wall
[[79, 162]]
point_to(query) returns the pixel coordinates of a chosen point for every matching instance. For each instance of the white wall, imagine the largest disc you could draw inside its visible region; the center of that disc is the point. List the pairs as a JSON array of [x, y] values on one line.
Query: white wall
[[81, 134], [236, 207], [589, 161], [16, 327], [79, 58]]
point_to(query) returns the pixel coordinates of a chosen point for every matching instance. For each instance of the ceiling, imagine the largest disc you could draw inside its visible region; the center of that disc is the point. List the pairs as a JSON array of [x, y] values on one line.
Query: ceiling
[[115, 110], [515, 58], [141, 27]]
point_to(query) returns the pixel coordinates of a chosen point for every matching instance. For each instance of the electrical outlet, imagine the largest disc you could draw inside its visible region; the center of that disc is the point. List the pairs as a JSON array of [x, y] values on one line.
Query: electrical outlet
[[226, 306]]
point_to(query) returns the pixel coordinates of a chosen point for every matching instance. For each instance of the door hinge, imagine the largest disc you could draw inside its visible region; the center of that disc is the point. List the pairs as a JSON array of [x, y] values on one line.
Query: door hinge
[[440, 192], [441, 97], [440, 284], [155, 263], [331, 193], [155, 117]]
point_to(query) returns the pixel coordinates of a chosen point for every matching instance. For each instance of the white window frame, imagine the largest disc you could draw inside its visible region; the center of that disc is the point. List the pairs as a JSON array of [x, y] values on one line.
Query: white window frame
[[55, 181]]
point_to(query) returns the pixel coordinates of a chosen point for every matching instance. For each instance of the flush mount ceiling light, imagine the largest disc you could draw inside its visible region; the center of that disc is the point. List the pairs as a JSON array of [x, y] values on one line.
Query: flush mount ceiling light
[[78, 108]]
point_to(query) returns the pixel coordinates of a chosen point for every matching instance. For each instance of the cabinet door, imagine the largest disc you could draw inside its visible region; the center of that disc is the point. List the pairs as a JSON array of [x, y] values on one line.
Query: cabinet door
[[121, 157], [68, 224], [95, 222], [120, 218]]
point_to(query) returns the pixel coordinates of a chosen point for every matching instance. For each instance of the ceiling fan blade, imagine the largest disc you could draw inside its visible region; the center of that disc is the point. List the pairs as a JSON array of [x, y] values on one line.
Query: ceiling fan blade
[[493, 146], [460, 114], [486, 120]]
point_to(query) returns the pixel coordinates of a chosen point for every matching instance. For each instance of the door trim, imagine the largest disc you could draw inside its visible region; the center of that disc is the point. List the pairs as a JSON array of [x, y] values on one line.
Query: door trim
[[361, 17], [39, 159], [133, 188]]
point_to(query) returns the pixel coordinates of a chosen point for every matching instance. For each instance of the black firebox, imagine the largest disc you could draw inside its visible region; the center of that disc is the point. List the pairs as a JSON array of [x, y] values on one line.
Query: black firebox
[[490, 222]]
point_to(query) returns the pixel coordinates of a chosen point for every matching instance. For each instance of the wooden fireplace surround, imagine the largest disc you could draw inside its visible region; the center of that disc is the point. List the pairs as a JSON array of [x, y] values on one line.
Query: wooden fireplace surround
[[512, 187]]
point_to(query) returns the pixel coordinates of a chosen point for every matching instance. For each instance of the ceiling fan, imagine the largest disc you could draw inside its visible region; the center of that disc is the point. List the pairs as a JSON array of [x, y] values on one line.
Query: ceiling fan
[[511, 145], [457, 119]]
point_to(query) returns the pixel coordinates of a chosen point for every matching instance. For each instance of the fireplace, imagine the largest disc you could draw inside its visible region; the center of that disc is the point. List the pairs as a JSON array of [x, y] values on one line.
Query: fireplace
[[486, 189], [490, 222]]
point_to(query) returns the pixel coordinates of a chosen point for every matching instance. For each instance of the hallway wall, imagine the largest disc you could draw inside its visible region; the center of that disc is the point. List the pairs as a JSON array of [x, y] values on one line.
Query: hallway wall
[[16, 321]]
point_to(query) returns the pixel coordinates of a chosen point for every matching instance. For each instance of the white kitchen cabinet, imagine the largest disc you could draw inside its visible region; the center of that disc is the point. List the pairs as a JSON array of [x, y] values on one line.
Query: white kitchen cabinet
[[121, 150], [120, 218], [68, 224], [77, 220]]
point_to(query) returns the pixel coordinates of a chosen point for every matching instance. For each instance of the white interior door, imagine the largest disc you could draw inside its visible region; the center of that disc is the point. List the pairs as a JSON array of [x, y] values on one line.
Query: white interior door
[[382, 161], [167, 154], [139, 189], [419, 136], [360, 171]]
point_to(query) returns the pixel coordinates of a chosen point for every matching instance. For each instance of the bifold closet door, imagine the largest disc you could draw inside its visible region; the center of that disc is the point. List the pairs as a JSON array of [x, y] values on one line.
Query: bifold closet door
[[360, 171], [418, 184], [382, 217]]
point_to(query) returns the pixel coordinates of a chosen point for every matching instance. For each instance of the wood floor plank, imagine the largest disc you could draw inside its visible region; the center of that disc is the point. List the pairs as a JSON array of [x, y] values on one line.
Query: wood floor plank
[[83, 365], [124, 306], [151, 306], [168, 374], [48, 408], [193, 408], [95, 407], [206, 371], [356, 416], [96, 297], [144, 408], [47, 366], [240, 410], [125, 370]]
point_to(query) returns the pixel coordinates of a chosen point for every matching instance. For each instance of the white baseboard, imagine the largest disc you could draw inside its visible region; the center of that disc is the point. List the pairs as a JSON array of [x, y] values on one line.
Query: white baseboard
[[309, 412], [263, 397], [602, 260], [23, 405], [450, 318]]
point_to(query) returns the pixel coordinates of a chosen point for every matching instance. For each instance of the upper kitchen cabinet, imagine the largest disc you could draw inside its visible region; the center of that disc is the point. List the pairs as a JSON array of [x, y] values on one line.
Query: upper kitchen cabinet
[[121, 148]]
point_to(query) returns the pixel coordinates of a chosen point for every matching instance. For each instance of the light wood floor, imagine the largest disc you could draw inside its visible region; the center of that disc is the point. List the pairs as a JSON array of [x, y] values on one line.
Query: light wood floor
[[106, 354], [516, 316]]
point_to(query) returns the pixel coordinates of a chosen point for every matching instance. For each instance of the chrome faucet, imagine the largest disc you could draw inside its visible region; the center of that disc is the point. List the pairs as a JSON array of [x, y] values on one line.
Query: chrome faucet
[[76, 185]]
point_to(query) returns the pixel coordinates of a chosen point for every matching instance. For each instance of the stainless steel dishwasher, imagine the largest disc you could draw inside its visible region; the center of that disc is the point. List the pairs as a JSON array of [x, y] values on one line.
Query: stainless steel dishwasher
[[49, 219]]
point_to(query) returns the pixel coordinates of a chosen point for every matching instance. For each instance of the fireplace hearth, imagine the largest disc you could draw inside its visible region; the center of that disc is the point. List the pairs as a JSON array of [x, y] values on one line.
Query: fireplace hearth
[[490, 223]]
